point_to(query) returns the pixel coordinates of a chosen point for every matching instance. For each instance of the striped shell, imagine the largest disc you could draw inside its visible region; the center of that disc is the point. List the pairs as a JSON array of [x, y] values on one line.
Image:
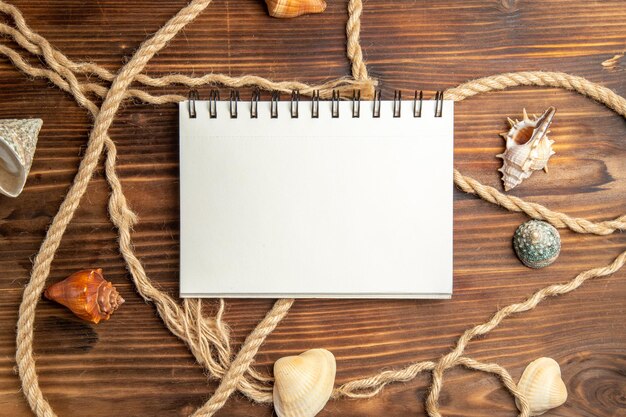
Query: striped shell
[[542, 386], [528, 148], [294, 8], [303, 383]]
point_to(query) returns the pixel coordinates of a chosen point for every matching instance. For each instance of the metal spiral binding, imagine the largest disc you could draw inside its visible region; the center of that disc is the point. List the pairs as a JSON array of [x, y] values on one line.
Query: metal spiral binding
[[376, 105], [295, 103], [417, 104], [274, 104], [335, 104], [254, 103], [315, 104], [438, 103], [232, 103], [397, 103], [356, 103], [191, 104], [214, 96], [234, 98]]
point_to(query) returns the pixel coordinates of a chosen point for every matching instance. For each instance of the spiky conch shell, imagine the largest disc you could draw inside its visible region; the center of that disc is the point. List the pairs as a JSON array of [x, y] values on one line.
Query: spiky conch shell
[[294, 8], [87, 294], [528, 148]]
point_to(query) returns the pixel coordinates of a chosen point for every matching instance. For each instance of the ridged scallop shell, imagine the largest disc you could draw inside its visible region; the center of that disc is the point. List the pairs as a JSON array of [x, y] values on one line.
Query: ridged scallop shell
[[542, 386], [303, 384], [294, 8], [528, 148], [87, 294], [537, 243]]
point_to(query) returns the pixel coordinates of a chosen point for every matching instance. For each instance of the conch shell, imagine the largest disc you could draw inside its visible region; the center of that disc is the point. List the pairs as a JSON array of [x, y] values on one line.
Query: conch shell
[[18, 139], [528, 148], [87, 294], [303, 383], [294, 8], [542, 386]]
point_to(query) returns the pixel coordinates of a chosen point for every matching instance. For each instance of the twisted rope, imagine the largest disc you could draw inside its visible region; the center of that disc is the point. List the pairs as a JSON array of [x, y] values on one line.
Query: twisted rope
[[542, 79], [353, 46], [39, 46], [208, 337], [537, 211]]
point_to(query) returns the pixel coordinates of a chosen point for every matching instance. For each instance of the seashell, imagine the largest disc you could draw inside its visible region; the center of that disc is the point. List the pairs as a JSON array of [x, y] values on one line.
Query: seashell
[[303, 383], [537, 243], [542, 386], [294, 8], [528, 148], [87, 294], [18, 139]]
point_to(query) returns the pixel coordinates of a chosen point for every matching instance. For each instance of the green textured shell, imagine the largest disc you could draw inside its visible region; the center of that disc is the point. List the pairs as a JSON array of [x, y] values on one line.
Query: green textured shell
[[537, 243]]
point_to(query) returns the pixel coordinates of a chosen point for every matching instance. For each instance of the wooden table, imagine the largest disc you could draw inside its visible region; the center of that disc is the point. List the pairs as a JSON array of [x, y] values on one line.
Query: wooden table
[[133, 366]]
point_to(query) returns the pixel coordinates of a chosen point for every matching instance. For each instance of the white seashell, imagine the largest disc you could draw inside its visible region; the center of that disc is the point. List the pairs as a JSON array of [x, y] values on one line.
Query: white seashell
[[18, 139], [303, 384], [542, 386], [528, 148]]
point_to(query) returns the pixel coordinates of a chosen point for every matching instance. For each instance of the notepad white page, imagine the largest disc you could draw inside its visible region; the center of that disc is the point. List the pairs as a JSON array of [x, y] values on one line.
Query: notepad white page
[[327, 207]]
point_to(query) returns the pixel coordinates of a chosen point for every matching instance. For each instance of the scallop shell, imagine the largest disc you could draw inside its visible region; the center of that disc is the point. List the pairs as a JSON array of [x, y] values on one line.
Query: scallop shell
[[303, 384], [18, 138], [87, 294], [537, 243], [528, 148], [294, 8], [542, 386]]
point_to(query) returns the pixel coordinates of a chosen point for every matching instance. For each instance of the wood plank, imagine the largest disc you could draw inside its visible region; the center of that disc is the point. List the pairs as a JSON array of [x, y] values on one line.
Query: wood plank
[[132, 365]]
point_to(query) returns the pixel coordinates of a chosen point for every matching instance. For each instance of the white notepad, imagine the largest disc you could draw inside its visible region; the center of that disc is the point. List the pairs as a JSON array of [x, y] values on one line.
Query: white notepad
[[316, 207]]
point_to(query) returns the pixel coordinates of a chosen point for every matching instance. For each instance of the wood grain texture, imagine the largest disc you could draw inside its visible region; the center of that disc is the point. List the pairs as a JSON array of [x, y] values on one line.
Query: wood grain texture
[[132, 366]]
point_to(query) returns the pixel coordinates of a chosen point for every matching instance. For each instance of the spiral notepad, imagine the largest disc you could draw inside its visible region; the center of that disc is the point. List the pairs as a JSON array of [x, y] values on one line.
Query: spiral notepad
[[316, 198]]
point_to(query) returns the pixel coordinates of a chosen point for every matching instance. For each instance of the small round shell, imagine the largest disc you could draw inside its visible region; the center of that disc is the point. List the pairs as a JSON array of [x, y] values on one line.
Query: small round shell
[[537, 243], [303, 384]]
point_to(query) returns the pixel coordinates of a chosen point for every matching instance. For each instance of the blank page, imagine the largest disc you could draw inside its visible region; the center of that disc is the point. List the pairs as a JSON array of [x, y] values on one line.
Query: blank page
[[316, 207]]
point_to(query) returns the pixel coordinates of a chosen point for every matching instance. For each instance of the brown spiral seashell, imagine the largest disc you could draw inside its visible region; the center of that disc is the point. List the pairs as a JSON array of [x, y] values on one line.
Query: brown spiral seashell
[[87, 294], [294, 8]]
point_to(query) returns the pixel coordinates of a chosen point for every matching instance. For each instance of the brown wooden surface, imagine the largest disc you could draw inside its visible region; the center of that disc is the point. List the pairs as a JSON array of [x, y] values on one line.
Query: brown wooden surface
[[132, 366]]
